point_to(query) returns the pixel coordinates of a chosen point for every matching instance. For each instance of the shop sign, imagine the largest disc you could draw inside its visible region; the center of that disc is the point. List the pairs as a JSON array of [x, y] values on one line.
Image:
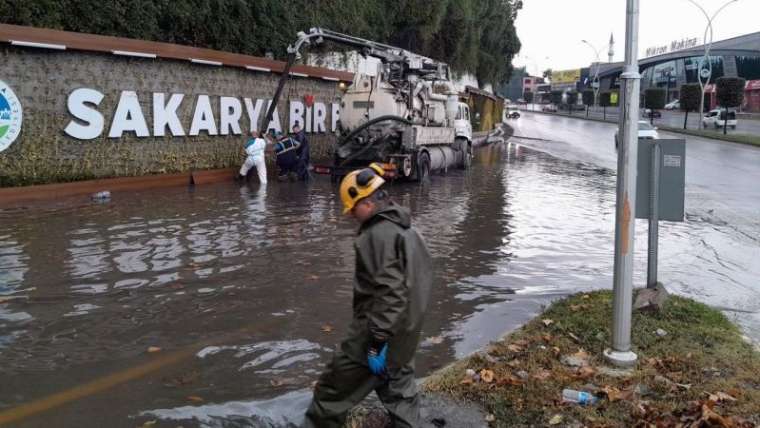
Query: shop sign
[[675, 45], [566, 76]]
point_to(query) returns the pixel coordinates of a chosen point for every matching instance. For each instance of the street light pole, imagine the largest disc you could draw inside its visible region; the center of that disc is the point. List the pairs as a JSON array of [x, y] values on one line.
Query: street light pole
[[622, 281], [706, 59], [595, 81]]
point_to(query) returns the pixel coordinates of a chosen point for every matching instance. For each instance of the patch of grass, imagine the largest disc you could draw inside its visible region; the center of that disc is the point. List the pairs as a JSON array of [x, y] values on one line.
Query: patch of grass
[[703, 353], [753, 140]]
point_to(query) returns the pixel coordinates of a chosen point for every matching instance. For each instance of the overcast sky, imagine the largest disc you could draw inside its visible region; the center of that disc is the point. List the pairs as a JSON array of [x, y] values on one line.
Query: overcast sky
[[551, 30]]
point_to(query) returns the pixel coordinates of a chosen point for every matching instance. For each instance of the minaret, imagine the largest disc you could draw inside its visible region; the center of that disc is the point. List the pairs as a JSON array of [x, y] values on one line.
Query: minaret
[[611, 52]]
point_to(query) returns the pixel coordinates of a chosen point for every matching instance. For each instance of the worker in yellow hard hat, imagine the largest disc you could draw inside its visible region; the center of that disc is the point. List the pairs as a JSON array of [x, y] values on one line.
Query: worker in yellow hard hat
[[392, 285]]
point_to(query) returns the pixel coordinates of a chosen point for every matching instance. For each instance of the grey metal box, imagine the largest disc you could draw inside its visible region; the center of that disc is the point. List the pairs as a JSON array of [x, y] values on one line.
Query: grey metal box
[[672, 178]]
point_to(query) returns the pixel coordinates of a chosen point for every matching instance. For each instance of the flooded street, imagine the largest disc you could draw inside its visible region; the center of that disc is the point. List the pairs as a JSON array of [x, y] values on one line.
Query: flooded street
[[247, 291]]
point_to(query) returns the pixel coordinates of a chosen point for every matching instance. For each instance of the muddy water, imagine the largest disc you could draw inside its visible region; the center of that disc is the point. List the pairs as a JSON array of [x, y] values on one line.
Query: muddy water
[[246, 291]]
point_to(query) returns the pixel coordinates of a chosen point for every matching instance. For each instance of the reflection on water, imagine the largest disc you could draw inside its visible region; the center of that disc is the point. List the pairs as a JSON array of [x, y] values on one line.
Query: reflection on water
[[86, 290]]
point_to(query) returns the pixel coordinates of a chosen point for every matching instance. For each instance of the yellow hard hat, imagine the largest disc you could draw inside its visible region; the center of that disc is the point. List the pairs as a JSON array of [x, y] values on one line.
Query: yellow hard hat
[[359, 184]]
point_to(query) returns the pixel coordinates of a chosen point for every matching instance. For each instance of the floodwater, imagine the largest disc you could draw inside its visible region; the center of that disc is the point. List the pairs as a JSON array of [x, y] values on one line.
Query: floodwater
[[247, 291]]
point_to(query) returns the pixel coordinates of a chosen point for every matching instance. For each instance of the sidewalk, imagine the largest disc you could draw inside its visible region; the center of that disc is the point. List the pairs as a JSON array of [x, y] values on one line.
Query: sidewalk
[[748, 139]]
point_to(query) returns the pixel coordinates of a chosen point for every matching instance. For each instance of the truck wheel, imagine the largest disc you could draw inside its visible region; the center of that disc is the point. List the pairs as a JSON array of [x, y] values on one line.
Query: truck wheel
[[423, 166], [467, 158]]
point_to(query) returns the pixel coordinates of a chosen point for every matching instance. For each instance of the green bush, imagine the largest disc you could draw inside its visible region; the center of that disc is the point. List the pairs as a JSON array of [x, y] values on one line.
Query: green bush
[[473, 36]]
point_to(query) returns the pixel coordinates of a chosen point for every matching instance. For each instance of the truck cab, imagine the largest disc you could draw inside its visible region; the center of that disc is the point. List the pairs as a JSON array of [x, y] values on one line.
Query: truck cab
[[462, 122]]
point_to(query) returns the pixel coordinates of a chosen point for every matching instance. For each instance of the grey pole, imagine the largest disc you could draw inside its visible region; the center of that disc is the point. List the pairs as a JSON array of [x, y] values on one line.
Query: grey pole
[[654, 216], [620, 354]]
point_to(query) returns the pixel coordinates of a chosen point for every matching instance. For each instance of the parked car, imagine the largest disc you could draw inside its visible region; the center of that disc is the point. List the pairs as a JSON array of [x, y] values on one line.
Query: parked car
[[717, 118], [652, 113], [646, 132], [513, 113], [673, 105], [549, 108]]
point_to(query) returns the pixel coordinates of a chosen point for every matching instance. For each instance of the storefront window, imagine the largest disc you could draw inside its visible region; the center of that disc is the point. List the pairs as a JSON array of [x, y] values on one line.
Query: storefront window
[[748, 67], [691, 67]]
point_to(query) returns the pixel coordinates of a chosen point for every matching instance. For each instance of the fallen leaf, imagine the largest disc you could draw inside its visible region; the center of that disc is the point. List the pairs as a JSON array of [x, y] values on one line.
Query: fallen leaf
[[514, 348], [153, 349], [467, 381], [486, 375], [542, 374], [194, 399], [585, 296], [584, 372], [721, 396], [574, 337], [613, 394], [555, 420], [490, 417], [576, 308], [556, 350], [510, 380], [514, 363], [546, 337], [547, 322], [713, 419], [327, 328], [521, 342]]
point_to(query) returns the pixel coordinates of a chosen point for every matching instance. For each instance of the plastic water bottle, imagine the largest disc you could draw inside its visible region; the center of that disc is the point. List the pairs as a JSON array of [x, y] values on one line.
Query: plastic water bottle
[[580, 397]]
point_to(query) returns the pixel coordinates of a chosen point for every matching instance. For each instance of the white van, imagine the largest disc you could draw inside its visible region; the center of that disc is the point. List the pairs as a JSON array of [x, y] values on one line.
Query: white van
[[717, 118]]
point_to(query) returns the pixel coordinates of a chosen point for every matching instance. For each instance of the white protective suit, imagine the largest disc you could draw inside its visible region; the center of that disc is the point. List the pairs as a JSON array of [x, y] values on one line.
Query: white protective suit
[[255, 149]]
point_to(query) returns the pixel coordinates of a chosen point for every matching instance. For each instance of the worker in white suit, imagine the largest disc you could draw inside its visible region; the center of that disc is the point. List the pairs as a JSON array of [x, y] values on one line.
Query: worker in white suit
[[254, 148]]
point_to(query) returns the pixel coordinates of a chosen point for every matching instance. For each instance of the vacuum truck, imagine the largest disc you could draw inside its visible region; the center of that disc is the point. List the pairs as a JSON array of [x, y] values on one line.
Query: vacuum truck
[[406, 116]]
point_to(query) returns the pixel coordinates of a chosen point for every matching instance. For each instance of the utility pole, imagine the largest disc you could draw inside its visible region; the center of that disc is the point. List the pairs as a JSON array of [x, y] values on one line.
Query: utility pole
[[620, 354]]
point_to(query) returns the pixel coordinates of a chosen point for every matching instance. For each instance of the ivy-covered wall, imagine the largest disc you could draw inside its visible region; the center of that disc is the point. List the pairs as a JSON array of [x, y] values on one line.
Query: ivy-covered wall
[[43, 80]]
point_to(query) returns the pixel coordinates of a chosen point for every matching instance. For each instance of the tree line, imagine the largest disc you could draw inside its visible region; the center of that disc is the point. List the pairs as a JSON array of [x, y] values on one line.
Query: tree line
[[475, 36]]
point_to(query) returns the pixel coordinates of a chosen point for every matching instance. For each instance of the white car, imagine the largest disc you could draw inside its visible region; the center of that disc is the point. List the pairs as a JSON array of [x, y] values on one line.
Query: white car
[[673, 105], [646, 132], [717, 118]]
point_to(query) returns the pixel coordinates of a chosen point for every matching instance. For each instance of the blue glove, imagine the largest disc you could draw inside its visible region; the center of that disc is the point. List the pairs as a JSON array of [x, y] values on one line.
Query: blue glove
[[376, 360]]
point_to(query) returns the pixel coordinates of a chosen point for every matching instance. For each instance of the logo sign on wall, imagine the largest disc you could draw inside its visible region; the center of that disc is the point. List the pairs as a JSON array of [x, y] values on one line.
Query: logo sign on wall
[[10, 116]]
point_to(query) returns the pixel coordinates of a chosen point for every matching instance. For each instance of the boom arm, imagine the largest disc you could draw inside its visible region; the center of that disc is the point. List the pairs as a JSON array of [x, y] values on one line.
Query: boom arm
[[406, 61]]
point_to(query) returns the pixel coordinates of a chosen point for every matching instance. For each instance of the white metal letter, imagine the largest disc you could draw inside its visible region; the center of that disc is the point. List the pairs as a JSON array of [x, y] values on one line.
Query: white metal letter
[[203, 118], [309, 113], [320, 115], [128, 117], [335, 116], [229, 115], [275, 122], [92, 117], [296, 114], [253, 112], [166, 114]]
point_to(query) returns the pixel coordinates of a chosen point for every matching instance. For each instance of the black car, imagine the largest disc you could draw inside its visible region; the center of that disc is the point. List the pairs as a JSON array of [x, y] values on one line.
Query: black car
[[652, 114], [513, 114]]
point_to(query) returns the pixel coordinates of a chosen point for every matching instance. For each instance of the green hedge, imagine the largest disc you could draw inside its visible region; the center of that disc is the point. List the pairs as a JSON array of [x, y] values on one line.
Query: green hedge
[[474, 36]]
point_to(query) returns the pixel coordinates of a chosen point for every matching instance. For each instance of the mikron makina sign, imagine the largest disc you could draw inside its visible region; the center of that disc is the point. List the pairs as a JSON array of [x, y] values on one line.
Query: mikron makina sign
[[675, 45]]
